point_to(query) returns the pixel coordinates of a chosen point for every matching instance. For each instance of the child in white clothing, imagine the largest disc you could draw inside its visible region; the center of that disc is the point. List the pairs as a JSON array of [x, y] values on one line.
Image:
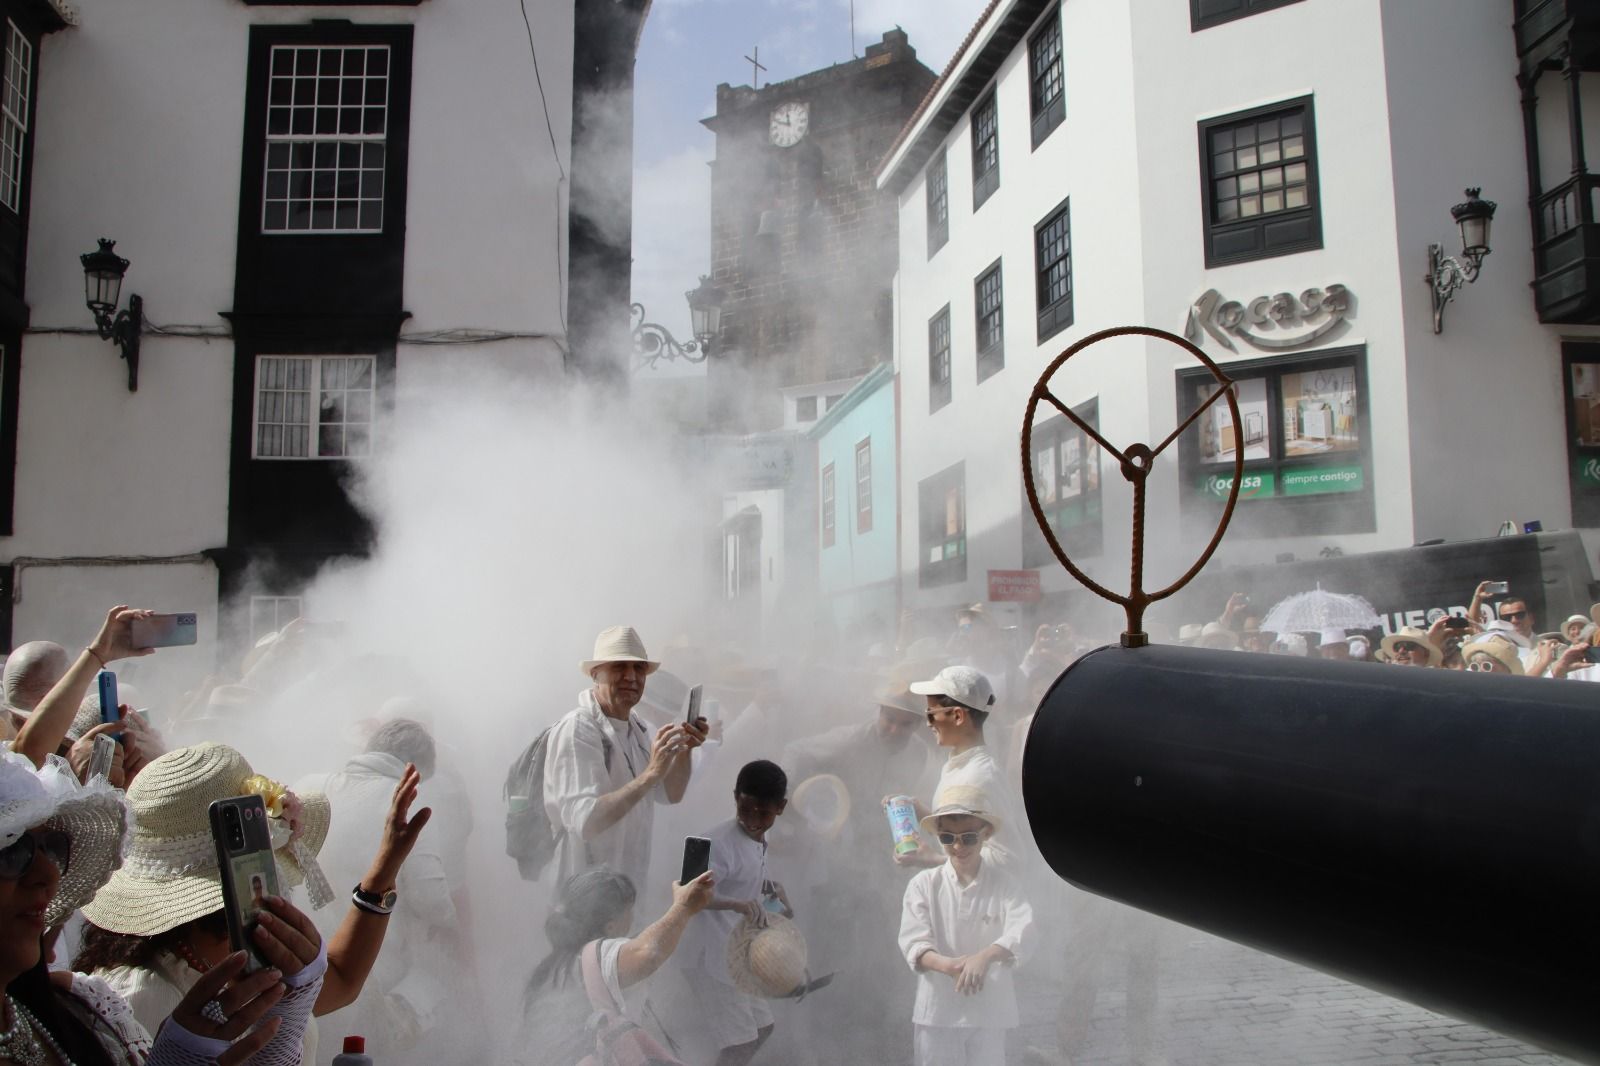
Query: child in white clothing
[[963, 928]]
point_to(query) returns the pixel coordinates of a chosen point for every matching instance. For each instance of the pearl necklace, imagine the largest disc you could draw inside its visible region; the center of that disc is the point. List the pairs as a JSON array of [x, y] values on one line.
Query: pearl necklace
[[20, 1042]]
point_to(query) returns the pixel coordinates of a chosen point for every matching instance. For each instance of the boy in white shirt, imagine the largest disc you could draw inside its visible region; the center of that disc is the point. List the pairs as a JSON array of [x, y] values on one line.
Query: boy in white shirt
[[730, 1024], [963, 928]]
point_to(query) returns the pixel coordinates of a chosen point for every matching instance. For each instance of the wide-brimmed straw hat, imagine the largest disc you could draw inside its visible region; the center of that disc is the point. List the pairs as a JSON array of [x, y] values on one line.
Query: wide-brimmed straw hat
[[961, 799], [93, 815], [767, 960], [1409, 634], [169, 874], [1502, 651], [618, 644]]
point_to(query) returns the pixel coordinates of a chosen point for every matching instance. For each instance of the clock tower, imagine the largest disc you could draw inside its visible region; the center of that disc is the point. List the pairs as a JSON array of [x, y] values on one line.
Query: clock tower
[[803, 244]]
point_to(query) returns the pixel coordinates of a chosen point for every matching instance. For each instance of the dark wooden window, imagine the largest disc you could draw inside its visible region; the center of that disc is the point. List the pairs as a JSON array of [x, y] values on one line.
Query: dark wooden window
[[939, 360], [1580, 371], [985, 150], [989, 308], [864, 486], [1259, 172], [828, 532], [942, 524], [1047, 77], [1305, 431], [1205, 13], [938, 203], [1052, 257], [1066, 476]]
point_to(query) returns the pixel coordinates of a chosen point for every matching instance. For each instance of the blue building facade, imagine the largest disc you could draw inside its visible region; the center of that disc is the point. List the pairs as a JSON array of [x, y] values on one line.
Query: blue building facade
[[857, 506]]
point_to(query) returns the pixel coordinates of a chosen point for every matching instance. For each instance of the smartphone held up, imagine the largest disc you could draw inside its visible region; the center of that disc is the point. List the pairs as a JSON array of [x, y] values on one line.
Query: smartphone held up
[[249, 875], [165, 630], [696, 858]]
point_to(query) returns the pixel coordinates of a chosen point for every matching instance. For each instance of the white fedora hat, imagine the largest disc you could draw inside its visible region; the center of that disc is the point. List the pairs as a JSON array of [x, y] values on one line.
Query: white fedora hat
[[618, 644]]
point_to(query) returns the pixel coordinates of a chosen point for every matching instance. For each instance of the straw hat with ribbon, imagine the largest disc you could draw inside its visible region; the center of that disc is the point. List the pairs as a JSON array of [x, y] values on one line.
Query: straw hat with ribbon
[[618, 644], [93, 815], [961, 800], [769, 959], [169, 875]]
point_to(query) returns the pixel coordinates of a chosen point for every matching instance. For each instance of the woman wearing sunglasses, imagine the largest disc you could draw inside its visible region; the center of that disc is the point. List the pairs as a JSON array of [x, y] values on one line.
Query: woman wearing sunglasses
[[59, 843], [963, 926]]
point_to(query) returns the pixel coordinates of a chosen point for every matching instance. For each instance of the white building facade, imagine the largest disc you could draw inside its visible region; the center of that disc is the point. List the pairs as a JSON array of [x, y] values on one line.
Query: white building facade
[[325, 206], [1266, 177]]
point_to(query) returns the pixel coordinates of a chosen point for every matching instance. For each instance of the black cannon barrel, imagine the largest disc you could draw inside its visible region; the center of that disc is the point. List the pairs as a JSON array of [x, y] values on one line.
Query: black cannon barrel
[[1431, 834]]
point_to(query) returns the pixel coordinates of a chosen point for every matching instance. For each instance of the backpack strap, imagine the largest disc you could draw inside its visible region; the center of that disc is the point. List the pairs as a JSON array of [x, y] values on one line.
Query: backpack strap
[[593, 983]]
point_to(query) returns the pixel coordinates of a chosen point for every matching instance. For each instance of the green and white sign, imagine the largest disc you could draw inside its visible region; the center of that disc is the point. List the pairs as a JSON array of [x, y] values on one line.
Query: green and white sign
[[1253, 487], [1586, 470], [1322, 479]]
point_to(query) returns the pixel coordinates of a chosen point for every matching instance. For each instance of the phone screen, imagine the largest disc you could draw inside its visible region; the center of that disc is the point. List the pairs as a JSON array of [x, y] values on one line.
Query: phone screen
[[696, 858], [249, 874], [165, 630], [692, 708], [1591, 654]]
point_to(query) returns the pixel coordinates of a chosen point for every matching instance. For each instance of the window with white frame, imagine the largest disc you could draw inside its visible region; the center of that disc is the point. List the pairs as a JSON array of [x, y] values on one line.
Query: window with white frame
[[268, 614], [14, 114], [327, 122], [314, 406]]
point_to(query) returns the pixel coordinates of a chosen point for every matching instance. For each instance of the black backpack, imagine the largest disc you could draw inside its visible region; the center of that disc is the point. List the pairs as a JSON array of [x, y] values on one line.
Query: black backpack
[[531, 838]]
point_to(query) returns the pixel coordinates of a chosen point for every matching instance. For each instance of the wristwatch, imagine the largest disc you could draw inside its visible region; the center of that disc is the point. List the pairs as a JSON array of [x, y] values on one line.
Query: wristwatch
[[373, 902]]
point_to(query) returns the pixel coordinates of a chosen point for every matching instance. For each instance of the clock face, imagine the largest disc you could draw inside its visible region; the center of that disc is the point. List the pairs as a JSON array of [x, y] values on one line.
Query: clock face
[[789, 123]]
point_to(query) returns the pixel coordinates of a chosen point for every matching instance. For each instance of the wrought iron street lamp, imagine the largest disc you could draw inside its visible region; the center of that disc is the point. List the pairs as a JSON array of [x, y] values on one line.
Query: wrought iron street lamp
[[1446, 273], [102, 283], [653, 342]]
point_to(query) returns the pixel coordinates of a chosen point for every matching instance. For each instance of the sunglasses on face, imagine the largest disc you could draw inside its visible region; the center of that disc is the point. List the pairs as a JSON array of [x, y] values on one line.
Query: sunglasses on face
[[934, 714], [17, 858], [1484, 666], [969, 840], [1407, 647], [1514, 616]]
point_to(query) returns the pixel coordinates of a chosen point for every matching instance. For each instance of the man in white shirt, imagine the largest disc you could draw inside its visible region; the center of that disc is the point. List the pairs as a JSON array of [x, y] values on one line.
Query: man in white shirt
[[958, 701], [603, 771], [963, 928]]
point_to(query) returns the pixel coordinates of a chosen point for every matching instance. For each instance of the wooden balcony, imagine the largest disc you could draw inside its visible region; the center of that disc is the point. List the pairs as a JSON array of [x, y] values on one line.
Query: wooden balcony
[[1546, 28], [1566, 252]]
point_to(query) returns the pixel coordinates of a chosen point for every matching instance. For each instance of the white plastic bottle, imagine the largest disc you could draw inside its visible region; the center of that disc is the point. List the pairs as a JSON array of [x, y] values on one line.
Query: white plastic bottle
[[354, 1054]]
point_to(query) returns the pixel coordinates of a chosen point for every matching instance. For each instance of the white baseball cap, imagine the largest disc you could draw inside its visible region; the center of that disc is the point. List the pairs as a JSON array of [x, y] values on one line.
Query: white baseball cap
[[963, 684]]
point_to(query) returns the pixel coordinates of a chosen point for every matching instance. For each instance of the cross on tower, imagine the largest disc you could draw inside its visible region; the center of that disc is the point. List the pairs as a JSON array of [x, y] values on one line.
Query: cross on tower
[[754, 59]]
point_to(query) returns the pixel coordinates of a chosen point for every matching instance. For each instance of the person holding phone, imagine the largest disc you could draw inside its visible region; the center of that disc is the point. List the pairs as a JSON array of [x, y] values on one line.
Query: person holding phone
[[733, 1024], [587, 928], [604, 772], [59, 842]]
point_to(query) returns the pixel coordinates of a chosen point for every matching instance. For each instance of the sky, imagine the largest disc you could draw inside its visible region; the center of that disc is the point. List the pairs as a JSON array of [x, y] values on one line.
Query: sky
[[688, 47]]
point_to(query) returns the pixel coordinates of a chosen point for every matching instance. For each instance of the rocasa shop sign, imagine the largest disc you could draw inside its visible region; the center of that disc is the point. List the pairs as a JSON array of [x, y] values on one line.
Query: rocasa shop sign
[[1276, 322], [1586, 470], [1311, 481]]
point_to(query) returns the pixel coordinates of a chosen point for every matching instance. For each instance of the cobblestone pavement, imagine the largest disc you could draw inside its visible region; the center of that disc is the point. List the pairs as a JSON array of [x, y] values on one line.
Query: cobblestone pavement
[[1226, 1005]]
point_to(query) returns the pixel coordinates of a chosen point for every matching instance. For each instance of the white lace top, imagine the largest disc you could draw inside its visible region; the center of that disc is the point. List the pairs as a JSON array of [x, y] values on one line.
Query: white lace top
[[122, 998]]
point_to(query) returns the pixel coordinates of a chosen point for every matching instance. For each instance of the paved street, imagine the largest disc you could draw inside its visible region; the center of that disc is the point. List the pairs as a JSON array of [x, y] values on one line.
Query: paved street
[[1225, 1005]]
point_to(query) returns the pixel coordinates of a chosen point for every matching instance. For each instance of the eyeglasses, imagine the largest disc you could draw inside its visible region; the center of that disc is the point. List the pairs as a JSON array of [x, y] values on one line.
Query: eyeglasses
[[17, 858], [1406, 646], [1481, 665], [936, 712], [1514, 616], [969, 840]]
